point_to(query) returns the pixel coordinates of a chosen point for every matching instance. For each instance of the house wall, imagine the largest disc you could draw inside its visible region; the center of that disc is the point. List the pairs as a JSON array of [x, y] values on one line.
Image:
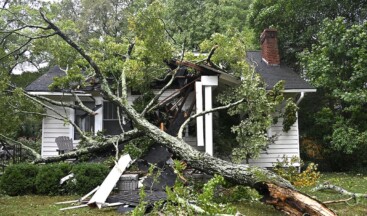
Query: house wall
[[52, 128], [286, 143]]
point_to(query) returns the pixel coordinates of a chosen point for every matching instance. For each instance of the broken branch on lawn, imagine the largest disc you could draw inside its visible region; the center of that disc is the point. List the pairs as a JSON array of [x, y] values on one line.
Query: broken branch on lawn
[[328, 186]]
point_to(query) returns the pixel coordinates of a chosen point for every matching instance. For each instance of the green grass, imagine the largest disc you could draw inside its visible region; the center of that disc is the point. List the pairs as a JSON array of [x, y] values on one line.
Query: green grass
[[352, 182], [45, 205]]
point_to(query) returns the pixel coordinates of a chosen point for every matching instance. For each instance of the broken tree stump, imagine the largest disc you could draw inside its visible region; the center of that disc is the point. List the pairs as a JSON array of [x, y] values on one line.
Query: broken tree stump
[[291, 201]]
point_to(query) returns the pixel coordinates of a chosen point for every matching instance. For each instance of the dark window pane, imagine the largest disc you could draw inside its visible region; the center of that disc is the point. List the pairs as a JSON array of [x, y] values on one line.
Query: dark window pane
[[84, 121]]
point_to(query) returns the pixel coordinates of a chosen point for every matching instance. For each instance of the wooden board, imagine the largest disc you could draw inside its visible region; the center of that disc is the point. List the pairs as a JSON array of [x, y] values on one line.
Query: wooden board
[[108, 184]]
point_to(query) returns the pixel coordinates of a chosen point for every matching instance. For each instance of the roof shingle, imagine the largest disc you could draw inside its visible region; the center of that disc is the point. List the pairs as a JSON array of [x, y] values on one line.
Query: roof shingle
[[273, 74]]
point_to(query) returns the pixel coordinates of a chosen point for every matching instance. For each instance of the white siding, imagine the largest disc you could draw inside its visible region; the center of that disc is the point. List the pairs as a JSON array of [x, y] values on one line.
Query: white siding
[[286, 143], [52, 128]]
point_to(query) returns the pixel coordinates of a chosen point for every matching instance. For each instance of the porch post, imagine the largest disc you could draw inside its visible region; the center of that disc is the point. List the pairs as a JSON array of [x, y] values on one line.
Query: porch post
[[98, 119], [199, 108], [208, 121], [208, 82]]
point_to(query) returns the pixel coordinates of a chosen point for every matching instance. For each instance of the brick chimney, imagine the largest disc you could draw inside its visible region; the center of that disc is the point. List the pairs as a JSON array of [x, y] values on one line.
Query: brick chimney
[[269, 47]]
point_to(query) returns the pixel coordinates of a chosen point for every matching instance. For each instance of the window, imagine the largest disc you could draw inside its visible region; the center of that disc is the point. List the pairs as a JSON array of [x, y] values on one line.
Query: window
[[111, 124], [84, 121]]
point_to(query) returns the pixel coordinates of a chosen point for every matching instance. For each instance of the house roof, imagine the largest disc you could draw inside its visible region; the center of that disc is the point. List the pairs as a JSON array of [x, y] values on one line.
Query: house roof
[[270, 74], [41, 84], [273, 74]]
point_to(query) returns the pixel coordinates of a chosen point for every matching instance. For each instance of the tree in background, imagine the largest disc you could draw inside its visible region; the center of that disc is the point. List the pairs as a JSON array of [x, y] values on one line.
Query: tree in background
[[298, 21], [336, 65]]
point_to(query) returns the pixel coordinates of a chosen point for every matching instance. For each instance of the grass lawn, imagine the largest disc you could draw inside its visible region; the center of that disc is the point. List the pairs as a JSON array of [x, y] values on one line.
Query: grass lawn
[[44, 205]]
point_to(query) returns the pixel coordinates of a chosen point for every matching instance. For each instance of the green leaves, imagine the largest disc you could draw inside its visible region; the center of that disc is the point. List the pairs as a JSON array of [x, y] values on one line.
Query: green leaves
[[256, 112], [338, 65]]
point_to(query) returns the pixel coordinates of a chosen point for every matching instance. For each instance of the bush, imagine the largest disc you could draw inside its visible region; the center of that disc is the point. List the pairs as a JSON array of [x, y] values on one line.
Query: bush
[[285, 169], [19, 179], [48, 178], [88, 176]]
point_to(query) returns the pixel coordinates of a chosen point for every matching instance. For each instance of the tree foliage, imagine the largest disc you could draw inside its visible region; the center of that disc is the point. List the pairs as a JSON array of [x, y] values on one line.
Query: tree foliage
[[298, 22], [337, 65]]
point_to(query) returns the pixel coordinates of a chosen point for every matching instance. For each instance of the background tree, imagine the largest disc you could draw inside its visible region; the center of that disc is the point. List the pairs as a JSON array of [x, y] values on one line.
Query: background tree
[[298, 22], [337, 66]]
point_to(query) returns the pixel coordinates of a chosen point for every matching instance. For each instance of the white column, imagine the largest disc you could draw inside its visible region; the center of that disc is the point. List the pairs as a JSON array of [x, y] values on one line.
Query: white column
[[199, 108], [208, 121], [98, 118]]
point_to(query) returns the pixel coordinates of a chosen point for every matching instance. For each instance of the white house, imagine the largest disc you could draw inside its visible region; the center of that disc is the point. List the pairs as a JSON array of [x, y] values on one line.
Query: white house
[[187, 95]]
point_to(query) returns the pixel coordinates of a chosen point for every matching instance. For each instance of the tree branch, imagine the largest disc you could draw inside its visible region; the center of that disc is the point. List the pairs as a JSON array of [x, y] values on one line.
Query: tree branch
[[16, 50], [104, 84], [328, 186], [32, 151], [82, 106], [211, 53], [96, 146], [82, 133], [180, 131], [53, 102], [156, 97]]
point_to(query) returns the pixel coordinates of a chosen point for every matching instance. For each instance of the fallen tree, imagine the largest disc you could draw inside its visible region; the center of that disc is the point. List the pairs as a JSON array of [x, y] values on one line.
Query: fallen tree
[[276, 190]]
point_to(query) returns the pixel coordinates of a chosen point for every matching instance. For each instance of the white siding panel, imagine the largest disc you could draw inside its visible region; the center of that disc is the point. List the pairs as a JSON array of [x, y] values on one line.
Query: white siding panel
[[286, 143], [52, 128]]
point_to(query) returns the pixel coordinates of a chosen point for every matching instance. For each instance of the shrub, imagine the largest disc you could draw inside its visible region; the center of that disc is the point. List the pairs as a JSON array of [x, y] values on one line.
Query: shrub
[[19, 179], [88, 176], [48, 178], [285, 169]]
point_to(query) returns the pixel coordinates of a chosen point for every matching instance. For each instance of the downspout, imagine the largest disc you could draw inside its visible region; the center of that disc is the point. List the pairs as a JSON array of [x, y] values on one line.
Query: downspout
[[300, 98], [297, 103]]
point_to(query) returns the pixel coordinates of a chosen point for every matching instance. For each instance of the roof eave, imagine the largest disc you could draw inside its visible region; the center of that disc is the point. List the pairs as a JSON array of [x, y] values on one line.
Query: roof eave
[[45, 93], [298, 90]]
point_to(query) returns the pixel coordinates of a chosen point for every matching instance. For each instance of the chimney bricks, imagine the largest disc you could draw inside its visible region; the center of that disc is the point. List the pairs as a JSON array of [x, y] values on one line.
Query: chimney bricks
[[269, 47]]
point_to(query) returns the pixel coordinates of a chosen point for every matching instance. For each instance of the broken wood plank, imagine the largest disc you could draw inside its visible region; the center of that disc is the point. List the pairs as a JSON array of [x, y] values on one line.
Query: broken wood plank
[[74, 207], [67, 202], [78, 200], [64, 179], [112, 204], [110, 181], [88, 194]]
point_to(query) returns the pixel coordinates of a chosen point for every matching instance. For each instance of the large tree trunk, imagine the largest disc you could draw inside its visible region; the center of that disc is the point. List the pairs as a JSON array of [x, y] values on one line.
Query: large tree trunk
[[276, 190]]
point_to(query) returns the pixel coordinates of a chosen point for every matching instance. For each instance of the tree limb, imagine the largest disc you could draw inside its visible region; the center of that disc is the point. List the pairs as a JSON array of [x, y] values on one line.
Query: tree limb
[[156, 97], [97, 146], [180, 131], [211, 53], [82, 133], [328, 186], [32, 151]]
